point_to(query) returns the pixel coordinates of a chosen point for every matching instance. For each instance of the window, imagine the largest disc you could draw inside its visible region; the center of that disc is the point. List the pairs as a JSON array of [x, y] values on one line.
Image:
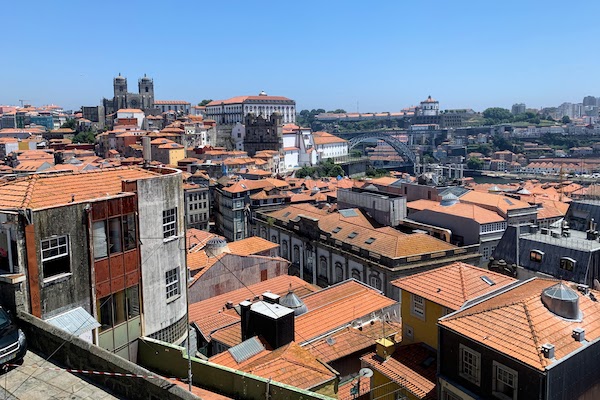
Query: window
[[133, 301], [504, 384], [284, 249], [100, 242], [323, 267], [485, 252], [536, 255], [339, 272], [55, 256], [567, 263], [114, 235], [375, 282], [356, 274], [296, 254], [469, 364], [418, 306], [170, 223], [129, 232], [172, 282]]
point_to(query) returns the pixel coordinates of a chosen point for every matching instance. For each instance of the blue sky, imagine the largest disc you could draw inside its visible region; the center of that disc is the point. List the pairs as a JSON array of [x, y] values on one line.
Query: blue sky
[[381, 56]]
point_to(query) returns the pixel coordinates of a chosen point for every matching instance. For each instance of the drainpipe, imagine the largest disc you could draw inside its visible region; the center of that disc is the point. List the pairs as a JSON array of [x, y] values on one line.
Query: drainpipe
[[268, 389]]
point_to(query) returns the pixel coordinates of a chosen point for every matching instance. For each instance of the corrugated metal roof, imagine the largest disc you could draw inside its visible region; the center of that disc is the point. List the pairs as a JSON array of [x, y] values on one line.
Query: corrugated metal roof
[[76, 321], [246, 349]]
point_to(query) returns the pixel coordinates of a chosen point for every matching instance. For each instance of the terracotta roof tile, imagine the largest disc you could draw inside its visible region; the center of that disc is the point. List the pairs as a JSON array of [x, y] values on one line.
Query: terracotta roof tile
[[470, 211], [452, 285], [251, 245], [516, 323], [42, 191], [405, 368], [290, 364]]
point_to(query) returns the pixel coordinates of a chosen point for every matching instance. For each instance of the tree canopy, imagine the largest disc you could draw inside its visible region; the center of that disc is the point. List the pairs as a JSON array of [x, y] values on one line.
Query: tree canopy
[[325, 168], [85, 137], [474, 163], [204, 102]]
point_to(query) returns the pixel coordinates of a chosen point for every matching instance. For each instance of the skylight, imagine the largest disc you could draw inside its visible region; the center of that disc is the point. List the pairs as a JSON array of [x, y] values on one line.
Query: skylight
[[286, 214], [352, 235], [370, 240], [488, 280], [336, 229], [509, 202]]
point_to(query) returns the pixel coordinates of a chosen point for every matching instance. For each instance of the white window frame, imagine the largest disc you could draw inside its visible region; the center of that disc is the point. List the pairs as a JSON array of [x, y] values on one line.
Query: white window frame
[[60, 246], [497, 367], [475, 375], [172, 286], [417, 306], [170, 223]]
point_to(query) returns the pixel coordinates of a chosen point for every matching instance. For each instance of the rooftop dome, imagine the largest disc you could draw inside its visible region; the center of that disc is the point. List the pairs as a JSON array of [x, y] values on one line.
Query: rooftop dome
[[449, 199], [120, 78], [562, 301], [293, 302], [262, 93], [216, 246]]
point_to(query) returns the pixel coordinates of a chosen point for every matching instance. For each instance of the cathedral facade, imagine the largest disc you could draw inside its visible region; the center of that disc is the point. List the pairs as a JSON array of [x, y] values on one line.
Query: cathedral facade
[[122, 99]]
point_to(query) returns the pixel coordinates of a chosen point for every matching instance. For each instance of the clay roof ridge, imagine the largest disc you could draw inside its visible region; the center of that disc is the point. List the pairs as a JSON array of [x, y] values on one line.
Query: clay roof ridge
[[29, 191], [534, 335], [517, 302], [462, 282]]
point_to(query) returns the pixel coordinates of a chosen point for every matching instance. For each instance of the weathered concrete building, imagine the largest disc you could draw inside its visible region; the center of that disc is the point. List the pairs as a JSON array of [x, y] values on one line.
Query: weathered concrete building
[[387, 209], [71, 244], [263, 133]]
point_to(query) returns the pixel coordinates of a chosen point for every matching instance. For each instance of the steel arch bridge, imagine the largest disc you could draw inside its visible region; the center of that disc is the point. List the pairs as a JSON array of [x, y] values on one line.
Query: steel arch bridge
[[401, 148]]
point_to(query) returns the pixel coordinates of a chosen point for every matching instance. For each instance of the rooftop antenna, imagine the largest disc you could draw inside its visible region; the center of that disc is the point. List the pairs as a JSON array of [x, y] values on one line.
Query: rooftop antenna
[[22, 101]]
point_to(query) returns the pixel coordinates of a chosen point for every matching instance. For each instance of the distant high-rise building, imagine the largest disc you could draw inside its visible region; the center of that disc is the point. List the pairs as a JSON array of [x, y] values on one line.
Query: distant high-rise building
[[590, 101], [518, 108]]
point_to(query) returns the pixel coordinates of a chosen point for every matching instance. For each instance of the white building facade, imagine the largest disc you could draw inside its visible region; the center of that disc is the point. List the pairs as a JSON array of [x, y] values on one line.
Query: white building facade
[[234, 110]]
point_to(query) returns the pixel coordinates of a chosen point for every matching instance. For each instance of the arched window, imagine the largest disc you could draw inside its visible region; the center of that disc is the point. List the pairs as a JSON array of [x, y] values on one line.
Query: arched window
[[356, 274], [339, 272], [296, 254], [263, 232], [274, 239], [375, 281], [323, 266], [284, 249]]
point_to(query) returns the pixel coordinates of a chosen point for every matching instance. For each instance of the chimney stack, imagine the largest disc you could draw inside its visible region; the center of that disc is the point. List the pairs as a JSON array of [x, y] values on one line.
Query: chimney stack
[[384, 348], [579, 334], [270, 298], [245, 319], [146, 149], [548, 350]]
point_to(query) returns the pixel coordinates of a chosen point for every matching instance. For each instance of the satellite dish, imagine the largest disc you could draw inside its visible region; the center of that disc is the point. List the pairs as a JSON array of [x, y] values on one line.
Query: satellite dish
[[365, 373]]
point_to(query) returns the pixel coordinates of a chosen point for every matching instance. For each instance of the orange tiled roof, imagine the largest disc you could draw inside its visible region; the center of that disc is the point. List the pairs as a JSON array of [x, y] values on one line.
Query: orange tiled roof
[[290, 364], [516, 323], [42, 191], [488, 200], [241, 99], [249, 184], [251, 245], [326, 138], [452, 285], [405, 368], [470, 211], [352, 339], [358, 230], [328, 309]]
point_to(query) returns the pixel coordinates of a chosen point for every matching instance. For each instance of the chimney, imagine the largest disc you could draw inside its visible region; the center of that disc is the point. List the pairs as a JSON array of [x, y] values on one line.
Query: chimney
[[548, 350], [384, 348], [146, 149], [579, 334], [245, 317], [274, 322], [270, 298]]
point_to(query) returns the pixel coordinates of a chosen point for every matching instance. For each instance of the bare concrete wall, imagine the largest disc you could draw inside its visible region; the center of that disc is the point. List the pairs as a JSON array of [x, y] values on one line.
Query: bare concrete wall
[[74, 353], [171, 360]]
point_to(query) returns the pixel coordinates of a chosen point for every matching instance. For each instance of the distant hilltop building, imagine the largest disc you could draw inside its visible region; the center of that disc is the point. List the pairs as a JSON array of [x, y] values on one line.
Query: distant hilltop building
[[428, 113], [518, 108], [122, 99], [235, 109]]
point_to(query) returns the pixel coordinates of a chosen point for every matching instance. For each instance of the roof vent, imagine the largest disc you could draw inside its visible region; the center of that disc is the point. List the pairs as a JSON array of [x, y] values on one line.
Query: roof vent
[[555, 235], [548, 350], [448, 200], [579, 334], [216, 246], [290, 300], [562, 301], [488, 280]]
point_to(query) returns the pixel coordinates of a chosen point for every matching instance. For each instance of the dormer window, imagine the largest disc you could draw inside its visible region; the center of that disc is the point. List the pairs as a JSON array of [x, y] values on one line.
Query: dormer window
[[567, 263], [536, 256]]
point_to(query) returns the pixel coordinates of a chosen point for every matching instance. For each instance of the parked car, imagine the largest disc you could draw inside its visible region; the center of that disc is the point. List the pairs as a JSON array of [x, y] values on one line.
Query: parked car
[[13, 344]]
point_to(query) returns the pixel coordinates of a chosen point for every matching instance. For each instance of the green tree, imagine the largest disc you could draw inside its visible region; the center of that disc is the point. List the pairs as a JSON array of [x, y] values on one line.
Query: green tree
[[566, 120], [85, 137], [70, 123], [204, 102], [501, 143], [497, 115], [474, 163]]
